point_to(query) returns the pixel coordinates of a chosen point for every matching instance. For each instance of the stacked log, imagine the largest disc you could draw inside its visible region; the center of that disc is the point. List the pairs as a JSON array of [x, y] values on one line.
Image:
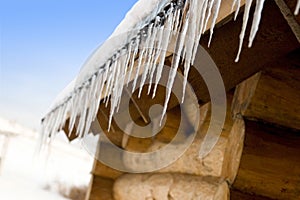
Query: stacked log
[[169, 186], [189, 177]]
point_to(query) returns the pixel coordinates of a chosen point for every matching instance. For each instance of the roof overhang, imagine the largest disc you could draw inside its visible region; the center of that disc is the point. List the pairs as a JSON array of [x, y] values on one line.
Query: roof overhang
[[79, 102]]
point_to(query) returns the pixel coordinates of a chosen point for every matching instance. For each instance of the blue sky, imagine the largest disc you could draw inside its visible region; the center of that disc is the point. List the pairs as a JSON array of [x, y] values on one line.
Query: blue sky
[[43, 44]]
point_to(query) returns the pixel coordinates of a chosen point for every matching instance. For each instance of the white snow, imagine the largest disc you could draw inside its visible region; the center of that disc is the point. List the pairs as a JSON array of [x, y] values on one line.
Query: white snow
[[13, 188], [24, 176], [9, 126], [111, 63]]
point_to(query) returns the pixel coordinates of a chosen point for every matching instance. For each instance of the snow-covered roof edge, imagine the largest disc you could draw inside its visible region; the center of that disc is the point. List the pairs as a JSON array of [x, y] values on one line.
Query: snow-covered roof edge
[[108, 69]]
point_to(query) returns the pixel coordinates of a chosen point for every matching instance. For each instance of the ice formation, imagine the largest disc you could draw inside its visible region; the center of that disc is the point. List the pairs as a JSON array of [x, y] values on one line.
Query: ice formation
[[142, 38]]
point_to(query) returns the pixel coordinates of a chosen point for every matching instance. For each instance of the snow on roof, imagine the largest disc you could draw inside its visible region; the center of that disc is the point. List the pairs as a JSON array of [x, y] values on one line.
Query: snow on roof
[[145, 31]]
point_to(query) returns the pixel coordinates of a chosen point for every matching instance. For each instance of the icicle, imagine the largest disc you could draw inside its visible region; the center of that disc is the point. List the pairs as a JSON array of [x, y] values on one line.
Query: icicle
[[48, 123], [151, 36], [91, 105], [216, 9], [89, 120], [99, 90], [177, 22], [234, 2], [74, 111], [114, 84], [118, 85], [199, 21], [80, 108], [168, 92], [187, 66], [83, 113], [110, 85], [164, 46], [256, 20], [56, 122], [122, 79], [141, 56], [190, 43], [42, 135], [128, 56], [297, 8], [137, 43], [245, 22], [210, 5], [175, 64], [203, 13], [157, 53], [153, 48], [105, 77], [238, 5], [65, 109], [146, 54], [97, 93]]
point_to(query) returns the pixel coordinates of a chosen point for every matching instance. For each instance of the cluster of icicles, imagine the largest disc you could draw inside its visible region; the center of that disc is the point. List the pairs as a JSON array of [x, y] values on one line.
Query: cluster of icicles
[[189, 17]]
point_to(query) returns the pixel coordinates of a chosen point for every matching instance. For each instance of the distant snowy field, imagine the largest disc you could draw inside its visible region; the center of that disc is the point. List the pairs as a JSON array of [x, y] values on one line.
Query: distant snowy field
[[25, 174]]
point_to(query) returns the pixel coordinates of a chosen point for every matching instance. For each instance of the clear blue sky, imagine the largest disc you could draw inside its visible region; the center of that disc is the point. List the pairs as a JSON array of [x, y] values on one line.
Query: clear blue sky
[[43, 44]]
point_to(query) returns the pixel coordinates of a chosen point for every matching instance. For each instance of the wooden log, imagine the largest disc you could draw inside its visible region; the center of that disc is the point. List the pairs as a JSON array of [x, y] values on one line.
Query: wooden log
[[100, 169], [222, 161], [286, 7], [142, 145], [241, 100], [233, 151], [101, 189], [169, 186], [276, 99], [238, 195], [191, 156], [270, 163], [243, 95], [276, 33]]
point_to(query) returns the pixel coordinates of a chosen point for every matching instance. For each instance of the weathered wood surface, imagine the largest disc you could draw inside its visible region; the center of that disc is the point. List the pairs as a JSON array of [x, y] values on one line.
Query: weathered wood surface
[[277, 97], [169, 186], [238, 195], [287, 8], [270, 163], [233, 151], [273, 42], [243, 95], [222, 161], [101, 189], [292, 5]]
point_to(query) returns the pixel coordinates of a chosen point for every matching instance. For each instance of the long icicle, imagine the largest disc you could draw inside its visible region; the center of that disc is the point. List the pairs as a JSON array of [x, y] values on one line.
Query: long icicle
[[216, 9], [297, 8], [236, 3], [136, 48], [245, 22], [256, 19], [164, 48], [209, 9], [151, 35], [157, 53], [174, 67]]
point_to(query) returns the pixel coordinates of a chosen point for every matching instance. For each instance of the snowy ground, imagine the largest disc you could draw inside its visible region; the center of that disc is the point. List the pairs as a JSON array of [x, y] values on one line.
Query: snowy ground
[[24, 175]]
